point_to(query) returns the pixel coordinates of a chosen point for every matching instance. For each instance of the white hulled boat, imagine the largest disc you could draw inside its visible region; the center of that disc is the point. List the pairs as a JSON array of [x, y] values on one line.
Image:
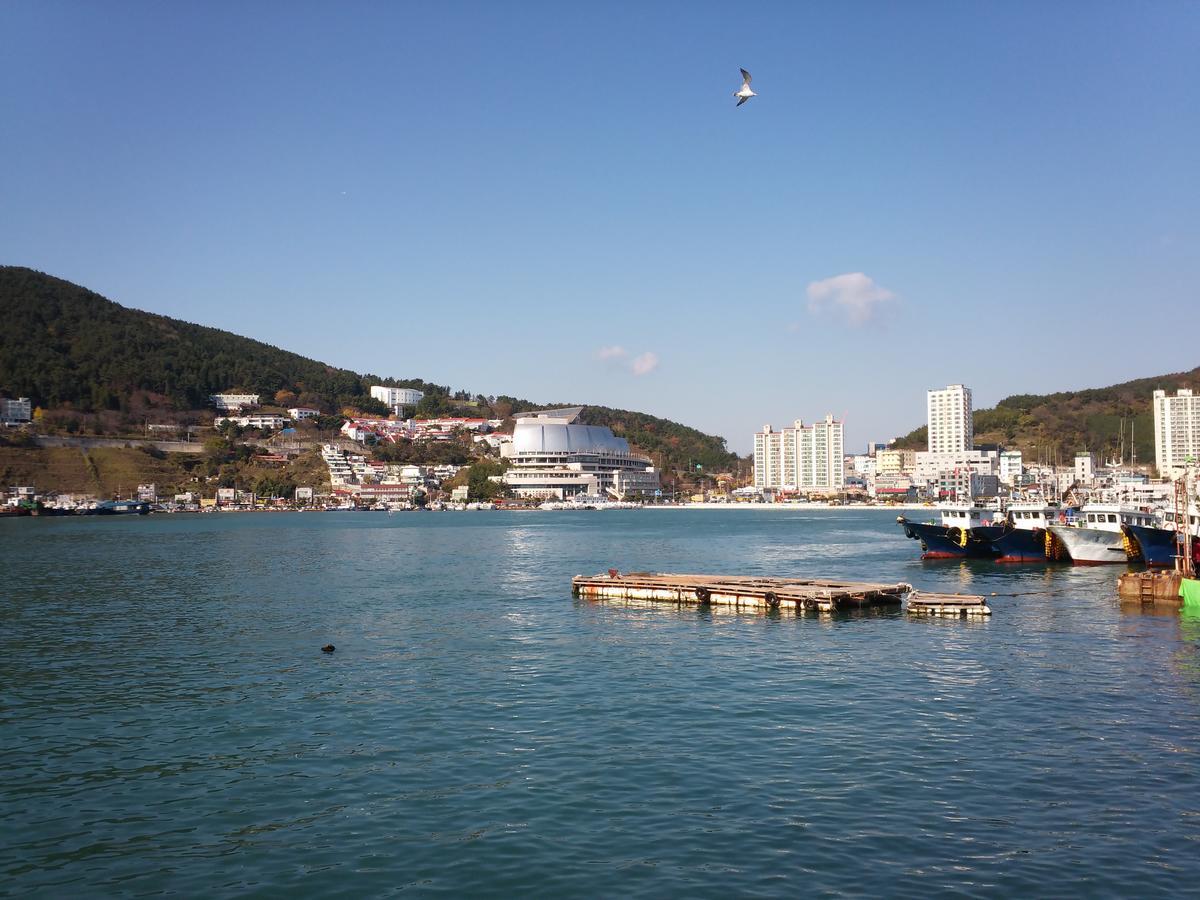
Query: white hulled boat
[[1095, 537]]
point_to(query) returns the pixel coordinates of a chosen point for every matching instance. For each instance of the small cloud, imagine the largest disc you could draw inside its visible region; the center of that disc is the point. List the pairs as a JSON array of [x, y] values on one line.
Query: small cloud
[[617, 356], [644, 364], [854, 293]]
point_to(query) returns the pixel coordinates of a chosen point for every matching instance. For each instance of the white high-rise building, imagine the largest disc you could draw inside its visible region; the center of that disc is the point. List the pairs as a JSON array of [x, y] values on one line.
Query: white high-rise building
[[951, 425], [1176, 431], [800, 458]]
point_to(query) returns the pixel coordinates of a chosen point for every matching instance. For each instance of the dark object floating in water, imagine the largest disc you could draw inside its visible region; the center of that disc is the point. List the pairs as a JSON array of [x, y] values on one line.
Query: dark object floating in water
[[328, 648]]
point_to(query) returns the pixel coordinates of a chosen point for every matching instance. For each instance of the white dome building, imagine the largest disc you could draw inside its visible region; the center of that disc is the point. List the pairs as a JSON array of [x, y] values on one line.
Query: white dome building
[[553, 456]]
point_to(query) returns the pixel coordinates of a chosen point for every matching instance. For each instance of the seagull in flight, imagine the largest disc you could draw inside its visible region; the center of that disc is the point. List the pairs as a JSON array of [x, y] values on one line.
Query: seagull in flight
[[745, 93]]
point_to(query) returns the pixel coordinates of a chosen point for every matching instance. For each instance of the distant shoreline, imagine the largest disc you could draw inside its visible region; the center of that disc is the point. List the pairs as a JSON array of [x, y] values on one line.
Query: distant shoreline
[[794, 507]]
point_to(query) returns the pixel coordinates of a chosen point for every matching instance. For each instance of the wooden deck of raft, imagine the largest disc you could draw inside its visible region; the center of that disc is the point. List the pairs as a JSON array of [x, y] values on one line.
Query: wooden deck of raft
[[797, 594]]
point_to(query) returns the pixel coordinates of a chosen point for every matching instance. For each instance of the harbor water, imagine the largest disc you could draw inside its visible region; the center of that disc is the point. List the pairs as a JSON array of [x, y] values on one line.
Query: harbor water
[[169, 724]]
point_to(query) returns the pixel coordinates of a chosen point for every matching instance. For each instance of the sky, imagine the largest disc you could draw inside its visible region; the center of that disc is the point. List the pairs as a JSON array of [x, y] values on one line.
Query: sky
[[560, 201]]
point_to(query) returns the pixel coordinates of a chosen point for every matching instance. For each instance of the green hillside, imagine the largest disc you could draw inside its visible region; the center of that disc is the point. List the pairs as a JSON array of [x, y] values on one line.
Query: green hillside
[[1073, 421], [68, 348]]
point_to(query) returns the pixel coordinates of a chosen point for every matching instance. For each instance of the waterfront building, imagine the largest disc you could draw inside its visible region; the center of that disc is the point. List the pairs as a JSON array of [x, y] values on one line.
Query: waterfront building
[[929, 466], [552, 455], [16, 412], [951, 424], [396, 398], [800, 458], [1176, 431], [233, 402], [892, 486], [895, 462]]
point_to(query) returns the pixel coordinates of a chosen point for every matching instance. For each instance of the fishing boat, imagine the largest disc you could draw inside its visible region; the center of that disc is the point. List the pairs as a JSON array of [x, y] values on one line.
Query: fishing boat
[[1095, 537], [966, 532], [121, 508], [1162, 541], [1024, 538]]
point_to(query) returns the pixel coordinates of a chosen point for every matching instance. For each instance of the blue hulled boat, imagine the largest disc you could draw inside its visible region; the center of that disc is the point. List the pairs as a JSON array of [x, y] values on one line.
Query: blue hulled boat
[[966, 532], [1159, 546], [1025, 537]]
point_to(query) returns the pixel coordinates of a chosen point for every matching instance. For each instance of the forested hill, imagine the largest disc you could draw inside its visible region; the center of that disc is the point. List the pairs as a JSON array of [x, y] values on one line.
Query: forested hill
[[1073, 421], [64, 346]]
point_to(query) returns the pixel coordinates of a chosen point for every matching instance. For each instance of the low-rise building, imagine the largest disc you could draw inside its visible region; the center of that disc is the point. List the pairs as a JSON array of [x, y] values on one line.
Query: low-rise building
[[300, 413], [16, 412], [895, 462], [397, 398], [262, 420], [233, 402], [929, 466]]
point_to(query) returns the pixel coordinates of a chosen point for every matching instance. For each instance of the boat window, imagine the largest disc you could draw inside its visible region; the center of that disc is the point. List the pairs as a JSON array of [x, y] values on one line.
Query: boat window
[[1112, 517], [1091, 517]]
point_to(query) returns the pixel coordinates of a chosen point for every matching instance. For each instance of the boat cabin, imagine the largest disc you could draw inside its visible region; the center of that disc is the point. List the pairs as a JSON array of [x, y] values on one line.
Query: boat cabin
[[967, 516], [1193, 518], [1111, 516], [1031, 516]]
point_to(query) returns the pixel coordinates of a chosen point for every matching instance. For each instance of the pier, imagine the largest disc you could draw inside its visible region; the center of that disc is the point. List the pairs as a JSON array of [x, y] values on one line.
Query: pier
[[794, 594], [921, 603]]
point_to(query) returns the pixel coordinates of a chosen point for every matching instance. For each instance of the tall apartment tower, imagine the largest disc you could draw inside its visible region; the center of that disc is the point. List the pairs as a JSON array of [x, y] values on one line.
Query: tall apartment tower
[[1176, 431], [951, 425], [800, 458]]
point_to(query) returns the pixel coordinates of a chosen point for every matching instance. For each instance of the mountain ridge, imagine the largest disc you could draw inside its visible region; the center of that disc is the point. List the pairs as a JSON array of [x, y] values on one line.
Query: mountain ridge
[[64, 345]]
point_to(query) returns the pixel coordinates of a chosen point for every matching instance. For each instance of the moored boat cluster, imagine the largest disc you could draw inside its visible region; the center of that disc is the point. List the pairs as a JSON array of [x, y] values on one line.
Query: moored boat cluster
[[1094, 534]]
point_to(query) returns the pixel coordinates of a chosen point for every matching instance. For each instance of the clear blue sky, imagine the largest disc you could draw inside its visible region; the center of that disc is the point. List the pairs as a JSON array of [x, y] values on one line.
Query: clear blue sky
[[528, 198]]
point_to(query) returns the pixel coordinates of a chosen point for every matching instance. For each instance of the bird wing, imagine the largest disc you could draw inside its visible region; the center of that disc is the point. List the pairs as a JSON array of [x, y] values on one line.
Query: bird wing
[[745, 76], [742, 100]]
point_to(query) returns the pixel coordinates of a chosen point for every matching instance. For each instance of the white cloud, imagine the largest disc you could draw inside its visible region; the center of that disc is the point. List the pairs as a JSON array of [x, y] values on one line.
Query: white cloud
[[644, 364], [854, 293], [617, 356]]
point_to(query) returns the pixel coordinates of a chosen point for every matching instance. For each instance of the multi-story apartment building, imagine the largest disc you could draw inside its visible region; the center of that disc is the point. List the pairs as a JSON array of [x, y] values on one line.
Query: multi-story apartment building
[[1176, 431], [1012, 466], [951, 425], [800, 458]]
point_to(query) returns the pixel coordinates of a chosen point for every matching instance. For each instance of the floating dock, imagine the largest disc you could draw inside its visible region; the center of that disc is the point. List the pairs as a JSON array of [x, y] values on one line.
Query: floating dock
[[921, 603], [796, 594]]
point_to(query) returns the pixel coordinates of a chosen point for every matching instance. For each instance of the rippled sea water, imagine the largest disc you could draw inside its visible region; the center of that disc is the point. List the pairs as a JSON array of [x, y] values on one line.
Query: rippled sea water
[[169, 724]]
